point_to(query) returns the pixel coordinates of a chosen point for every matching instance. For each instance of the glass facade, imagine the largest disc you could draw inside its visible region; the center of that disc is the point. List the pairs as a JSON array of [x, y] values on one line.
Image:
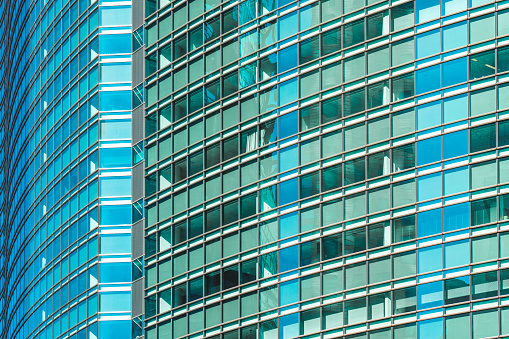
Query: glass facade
[[326, 169], [65, 128]]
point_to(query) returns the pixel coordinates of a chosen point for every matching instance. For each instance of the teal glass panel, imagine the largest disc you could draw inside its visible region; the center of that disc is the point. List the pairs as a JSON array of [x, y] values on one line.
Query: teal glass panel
[[428, 43], [456, 180], [457, 253], [429, 259]]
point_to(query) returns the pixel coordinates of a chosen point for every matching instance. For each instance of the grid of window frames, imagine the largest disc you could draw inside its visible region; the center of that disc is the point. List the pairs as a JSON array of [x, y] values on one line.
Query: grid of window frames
[[326, 169], [67, 210]]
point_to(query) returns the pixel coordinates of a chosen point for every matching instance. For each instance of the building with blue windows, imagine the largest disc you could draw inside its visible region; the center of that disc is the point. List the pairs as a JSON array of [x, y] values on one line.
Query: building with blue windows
[[254, 169], [66, 208], [325, 168]]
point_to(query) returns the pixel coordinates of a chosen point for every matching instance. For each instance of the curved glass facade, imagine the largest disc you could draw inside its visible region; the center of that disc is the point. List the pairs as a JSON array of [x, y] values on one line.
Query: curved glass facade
[[66, 169], [326, 169]]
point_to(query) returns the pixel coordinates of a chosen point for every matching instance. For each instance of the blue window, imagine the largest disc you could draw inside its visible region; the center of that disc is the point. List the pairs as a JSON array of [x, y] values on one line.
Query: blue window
[[288, 191], [429, 151], [428, 79], [115, 301], [429, 186], [455, 144], [429, 259], [115, 272], [431, 328], [288, 125], [428, 43], [113, 329], [454, 36], [429, 223], [430, 295], [454, 72], [115, 157], [455, 108], [456, 180], [115, 43], [453, 6], [288, 25], [287, 58], [456, 217], [429, 115], [116, 72], [116, 100], [115, 186], [427, 10], [289, 326], [288, 91], [288, 158], [288, 258], [288, 225], [115, 16], [115, 214], [288, 292], [457, 253], [115, 243]]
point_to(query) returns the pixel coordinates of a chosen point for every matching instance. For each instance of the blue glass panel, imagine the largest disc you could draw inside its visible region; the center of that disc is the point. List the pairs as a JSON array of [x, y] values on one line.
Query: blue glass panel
[[454, 72], [288, 292], [456, 180], [429, 259], [429, 151], [430, 295], [288, 191], [116, 72], [115, 186], [288, 91], [288, 258], [455, 36], [115, 157], [428, 43], [431, 329], [306, 18], [288, 25], [115, 272], [288, 225], [473, 3], [115, 243], [457, 253], [455, 108], [113, 16], [429, 223], [455, 144], [288, 158], [288, 124], [428, 79], [287, 58], [116, 43], [115, 215], [116, 100], [429, 115], [281, 3], [456, 217], [453, 6], [289, 326], [116, 129], [429, 186], [115, 301], [427, 10], [114, 329]]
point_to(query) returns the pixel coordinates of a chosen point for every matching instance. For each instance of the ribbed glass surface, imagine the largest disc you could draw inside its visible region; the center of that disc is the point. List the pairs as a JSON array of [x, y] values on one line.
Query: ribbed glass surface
[[66, 169], [326, 169]]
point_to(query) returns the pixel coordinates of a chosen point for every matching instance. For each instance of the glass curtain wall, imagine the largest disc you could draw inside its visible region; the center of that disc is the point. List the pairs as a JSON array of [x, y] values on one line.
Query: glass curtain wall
[[66, 166], [326, 169]]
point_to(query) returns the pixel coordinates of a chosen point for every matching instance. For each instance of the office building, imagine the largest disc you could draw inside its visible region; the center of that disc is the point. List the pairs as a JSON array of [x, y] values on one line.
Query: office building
[[65, 173], [326, 169]]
